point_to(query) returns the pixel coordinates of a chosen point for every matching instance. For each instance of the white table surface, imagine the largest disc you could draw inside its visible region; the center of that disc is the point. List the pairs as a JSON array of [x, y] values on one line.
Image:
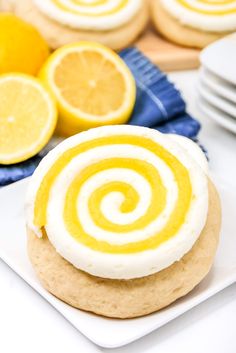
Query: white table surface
[[29, 324]]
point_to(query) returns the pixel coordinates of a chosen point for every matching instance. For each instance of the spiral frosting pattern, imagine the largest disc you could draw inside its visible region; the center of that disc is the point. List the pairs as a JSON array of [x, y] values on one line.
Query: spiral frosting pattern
[[119, 202], [90, 14], [208, 15]]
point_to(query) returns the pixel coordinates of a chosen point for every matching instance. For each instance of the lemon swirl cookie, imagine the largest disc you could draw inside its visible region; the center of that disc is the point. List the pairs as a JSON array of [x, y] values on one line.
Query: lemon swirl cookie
[[115, 23], [194, 23], [122, 220]]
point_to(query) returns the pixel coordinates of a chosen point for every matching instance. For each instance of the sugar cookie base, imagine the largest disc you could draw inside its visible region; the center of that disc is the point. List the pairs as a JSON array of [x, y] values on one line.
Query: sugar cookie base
[[178, 33], [58, 35], [127, 298]]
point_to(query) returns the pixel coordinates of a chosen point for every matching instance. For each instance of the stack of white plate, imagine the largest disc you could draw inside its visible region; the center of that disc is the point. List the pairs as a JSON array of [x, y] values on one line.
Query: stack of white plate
[[217, 87]]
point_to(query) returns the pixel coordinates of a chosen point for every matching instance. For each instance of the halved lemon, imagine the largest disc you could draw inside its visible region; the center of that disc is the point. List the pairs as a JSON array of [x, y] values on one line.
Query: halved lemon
[[28, 117], [92, 86]]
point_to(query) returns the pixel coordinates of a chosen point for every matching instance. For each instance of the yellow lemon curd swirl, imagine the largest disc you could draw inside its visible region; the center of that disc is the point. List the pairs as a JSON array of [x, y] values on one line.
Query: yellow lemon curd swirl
[[91, 15], [145, 169], [120, 5], [210, 8]]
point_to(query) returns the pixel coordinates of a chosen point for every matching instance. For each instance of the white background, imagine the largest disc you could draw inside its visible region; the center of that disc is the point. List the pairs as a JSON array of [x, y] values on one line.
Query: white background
[[29, 324]]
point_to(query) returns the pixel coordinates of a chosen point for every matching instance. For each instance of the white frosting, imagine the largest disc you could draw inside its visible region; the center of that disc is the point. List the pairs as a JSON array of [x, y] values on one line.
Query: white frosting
[[121, 266], [193, 150], [213, 22], [90, 15]]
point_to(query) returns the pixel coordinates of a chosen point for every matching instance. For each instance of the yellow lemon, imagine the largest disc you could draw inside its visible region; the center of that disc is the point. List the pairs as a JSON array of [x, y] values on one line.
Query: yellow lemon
[[22, 48], [28, 117], [92, 86]]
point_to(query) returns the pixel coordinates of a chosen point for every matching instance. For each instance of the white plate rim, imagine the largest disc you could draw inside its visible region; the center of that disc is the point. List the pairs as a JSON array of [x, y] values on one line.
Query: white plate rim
[[214, 114], [217, 101], [204, 57], [222, 87]]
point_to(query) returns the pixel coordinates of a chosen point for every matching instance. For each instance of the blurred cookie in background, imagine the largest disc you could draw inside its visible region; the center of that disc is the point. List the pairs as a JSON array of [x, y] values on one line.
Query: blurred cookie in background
[[193, 23], [114, 23]]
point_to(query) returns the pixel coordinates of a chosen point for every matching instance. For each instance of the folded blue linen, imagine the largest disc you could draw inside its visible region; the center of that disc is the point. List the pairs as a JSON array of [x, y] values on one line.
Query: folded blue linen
[[159, 104]]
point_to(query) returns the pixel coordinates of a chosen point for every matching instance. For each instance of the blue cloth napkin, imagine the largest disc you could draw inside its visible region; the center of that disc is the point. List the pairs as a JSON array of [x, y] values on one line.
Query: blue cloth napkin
[[159, 105], [15, 172]]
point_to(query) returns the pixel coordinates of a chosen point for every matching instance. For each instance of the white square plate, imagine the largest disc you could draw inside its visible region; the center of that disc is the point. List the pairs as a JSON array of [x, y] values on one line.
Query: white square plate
[[107, 332]]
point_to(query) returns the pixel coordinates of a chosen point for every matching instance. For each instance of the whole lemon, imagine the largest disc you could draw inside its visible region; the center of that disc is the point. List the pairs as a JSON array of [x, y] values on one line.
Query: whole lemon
[[22, 48]]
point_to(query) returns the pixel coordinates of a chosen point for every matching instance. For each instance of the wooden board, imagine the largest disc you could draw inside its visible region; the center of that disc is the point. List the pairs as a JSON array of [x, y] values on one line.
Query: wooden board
[[168, 56]]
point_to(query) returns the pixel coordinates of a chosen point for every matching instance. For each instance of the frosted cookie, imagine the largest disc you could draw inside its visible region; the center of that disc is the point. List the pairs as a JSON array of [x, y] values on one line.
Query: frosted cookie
[[122, 221], [194, 23], [115, 23]]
